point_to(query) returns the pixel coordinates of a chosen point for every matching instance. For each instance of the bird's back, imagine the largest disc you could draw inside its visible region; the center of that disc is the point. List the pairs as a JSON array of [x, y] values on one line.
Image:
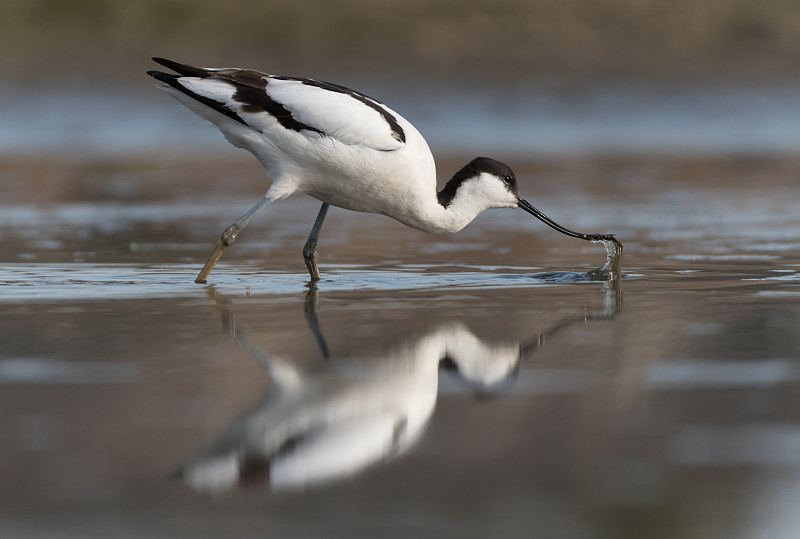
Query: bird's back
[[313, 137]]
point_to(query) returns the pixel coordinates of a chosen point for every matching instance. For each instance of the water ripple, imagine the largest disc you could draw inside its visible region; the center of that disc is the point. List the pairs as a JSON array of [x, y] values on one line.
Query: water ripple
[[91, 282]]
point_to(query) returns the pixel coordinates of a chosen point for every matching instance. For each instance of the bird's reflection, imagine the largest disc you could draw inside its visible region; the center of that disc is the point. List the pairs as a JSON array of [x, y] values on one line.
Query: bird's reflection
[[329, 423]]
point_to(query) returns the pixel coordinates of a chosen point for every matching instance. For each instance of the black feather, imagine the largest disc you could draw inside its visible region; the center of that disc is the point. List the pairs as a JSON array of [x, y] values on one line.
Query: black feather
[[473, 169], [251, 92], [183, 69], [173, 80]]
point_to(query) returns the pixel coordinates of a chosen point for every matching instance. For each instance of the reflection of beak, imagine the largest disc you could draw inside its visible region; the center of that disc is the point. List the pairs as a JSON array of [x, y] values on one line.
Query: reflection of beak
[[525, 205]]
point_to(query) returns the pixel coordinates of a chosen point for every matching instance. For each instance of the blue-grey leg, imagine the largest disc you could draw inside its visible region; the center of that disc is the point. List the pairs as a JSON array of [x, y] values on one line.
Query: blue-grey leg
[[227, 239], [310, 248]]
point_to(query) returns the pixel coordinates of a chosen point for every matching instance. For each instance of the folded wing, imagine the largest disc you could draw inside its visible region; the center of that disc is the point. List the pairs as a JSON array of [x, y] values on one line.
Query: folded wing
[[304, 106]]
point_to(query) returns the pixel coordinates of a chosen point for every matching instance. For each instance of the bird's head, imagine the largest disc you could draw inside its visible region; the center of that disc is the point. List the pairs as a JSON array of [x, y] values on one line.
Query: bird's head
[[488, 183], [483, 182]]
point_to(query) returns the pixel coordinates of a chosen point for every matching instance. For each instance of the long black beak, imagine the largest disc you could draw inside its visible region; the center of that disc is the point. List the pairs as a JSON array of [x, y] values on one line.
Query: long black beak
[[525, 205]]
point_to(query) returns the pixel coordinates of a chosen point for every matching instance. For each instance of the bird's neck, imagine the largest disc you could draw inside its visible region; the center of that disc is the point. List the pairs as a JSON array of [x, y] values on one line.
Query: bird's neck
[[423, 208], [449, 210], [459, 202], [432, 216]]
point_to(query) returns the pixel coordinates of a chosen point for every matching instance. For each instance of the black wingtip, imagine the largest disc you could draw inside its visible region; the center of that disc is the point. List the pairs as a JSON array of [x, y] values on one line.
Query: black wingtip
[[174, 80], [161, 76], [181, 69]]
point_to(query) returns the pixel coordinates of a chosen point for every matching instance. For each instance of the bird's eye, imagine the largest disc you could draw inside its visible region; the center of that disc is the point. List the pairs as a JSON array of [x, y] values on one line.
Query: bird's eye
[[507, 180]]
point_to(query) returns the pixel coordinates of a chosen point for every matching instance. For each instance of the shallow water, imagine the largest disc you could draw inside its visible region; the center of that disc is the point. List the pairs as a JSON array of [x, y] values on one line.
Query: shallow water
[[471, 385]]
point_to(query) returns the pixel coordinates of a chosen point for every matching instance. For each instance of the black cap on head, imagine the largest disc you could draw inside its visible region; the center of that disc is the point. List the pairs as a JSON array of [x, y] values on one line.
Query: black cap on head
[[473, 169]]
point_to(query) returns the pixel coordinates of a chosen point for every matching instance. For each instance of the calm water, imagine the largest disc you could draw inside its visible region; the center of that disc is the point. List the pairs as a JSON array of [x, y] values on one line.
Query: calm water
[[447, 386], [526, 119]]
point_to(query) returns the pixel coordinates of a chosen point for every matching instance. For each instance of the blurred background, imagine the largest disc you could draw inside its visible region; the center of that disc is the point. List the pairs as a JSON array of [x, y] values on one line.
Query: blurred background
[[671, 413], [503, 76], [499, 42]]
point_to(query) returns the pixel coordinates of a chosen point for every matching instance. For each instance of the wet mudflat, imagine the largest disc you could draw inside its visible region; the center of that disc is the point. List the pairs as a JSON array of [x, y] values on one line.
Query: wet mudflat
[[465, 385]]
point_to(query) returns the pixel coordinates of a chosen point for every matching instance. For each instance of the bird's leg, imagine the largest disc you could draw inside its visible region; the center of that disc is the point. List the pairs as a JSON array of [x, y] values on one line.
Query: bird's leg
[[310, 248], [310, 309], [227, 239]]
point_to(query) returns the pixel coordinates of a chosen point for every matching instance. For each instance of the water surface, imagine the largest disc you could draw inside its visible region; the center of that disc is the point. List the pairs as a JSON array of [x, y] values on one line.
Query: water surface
[[451, 386]]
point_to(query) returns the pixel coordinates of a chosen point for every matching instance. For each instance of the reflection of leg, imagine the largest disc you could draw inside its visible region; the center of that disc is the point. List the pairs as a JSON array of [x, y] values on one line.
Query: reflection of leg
[[310, 248], [227, 239], [222, 308], [310, 310], [223, 312]]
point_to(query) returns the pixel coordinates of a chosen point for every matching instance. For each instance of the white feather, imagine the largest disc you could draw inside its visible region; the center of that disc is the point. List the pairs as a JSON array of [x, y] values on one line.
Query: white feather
[[338, 115]]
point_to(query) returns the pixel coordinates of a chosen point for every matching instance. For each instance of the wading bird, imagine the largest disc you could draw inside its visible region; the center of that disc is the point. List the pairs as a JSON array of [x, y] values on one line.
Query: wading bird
[[342, 148]]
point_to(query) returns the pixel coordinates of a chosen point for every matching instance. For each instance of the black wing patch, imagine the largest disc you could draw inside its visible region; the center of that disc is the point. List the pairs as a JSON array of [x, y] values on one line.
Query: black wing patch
[[172, 80], [397, 131], [251, 93], [183, 69]]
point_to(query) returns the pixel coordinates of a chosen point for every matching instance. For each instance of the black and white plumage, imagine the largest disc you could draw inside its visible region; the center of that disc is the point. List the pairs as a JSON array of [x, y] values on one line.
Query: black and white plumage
[[328, 423], [342, 148]]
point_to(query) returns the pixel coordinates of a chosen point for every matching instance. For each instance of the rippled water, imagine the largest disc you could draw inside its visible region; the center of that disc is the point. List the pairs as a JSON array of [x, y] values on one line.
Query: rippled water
[[451, 386]]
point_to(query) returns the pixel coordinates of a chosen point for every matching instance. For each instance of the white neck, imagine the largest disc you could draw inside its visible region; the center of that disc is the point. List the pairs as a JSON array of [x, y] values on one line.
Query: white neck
[[435, 218], [471, 198]]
